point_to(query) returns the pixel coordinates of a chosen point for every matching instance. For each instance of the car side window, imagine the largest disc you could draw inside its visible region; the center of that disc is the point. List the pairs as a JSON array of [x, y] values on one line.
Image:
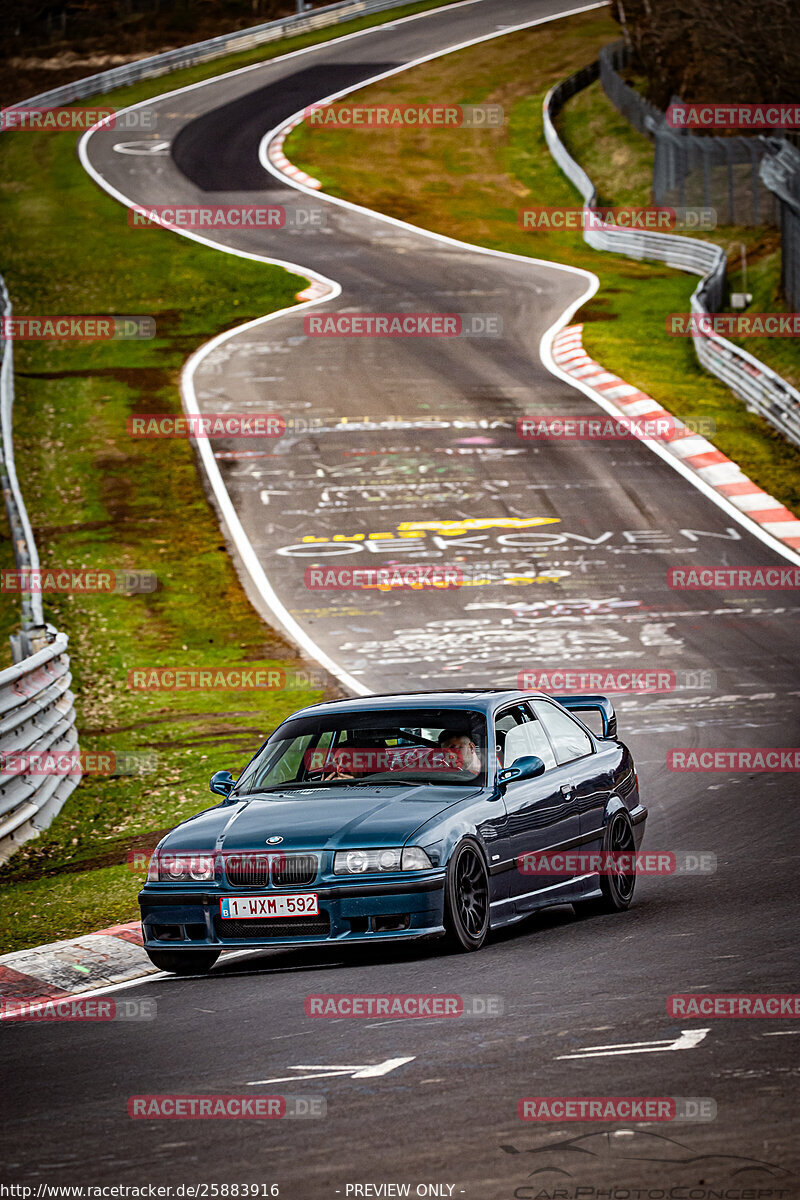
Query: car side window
[[519, 734], [569, 740]]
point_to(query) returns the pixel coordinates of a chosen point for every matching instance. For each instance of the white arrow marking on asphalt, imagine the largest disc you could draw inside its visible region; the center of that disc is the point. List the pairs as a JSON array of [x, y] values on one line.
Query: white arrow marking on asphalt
[[364, 1072], [687, 1040]]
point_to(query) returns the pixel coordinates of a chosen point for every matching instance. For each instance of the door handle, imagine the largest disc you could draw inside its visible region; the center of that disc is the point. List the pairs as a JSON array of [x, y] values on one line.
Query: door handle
[[567, 791]]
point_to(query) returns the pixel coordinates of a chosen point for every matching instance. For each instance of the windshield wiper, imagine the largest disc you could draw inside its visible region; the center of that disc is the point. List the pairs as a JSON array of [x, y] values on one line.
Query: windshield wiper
[[325, 783], [393, 783]]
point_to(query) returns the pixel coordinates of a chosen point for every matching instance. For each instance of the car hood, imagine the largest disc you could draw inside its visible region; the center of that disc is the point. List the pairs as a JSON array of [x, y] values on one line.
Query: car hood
[[311, 819]]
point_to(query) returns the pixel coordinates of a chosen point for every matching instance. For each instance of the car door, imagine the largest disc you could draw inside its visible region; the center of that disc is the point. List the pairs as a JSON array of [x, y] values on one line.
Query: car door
[[541, 813], [589, 770]]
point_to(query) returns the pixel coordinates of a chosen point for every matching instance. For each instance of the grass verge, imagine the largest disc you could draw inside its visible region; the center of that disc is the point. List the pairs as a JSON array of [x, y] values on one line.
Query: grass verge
[[471, 184], [619, 161], [98, 498]]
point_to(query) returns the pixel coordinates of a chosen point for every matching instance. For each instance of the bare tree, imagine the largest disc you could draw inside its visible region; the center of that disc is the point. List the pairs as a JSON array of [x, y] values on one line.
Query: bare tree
[[714, 50]]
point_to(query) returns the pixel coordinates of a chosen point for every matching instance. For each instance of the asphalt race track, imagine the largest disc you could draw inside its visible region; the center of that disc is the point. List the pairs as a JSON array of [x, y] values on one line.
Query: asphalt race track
[[617, 518]]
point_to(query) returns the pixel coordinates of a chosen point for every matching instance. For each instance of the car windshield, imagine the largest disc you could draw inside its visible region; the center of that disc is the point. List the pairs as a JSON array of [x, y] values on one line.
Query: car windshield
[[444, 746]]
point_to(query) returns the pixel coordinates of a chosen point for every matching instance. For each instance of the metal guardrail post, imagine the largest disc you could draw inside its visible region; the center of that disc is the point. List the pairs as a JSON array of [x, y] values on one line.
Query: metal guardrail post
[[33, 634], [37, 714]]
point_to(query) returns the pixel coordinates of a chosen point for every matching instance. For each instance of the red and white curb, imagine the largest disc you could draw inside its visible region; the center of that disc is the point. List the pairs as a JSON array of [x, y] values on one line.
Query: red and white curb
[[59, 970], [693, 450], [281, 162], [316, 290]]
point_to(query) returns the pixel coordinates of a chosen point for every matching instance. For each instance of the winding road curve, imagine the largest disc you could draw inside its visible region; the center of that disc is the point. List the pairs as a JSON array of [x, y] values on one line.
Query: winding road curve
[[617, 517]]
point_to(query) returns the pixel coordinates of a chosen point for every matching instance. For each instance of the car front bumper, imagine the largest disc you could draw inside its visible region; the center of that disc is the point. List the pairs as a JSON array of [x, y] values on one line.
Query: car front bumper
[[188, 916]]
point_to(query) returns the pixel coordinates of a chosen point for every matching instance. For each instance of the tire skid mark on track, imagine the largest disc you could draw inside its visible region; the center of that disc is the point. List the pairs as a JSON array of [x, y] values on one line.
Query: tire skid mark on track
[[779, 529]]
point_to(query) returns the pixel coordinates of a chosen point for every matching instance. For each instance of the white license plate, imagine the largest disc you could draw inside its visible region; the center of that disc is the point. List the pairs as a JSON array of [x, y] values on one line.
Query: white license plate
[[259, 907]]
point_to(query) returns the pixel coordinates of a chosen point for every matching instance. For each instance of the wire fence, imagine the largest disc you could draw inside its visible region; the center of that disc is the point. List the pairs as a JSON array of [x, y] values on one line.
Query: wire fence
[[780, 172], [722, 173], [762, 390]]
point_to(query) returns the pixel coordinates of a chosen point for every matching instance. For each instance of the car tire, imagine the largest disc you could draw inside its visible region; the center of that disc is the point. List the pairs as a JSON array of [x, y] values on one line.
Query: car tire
[[184, 962], [617, 890], [466, 897]]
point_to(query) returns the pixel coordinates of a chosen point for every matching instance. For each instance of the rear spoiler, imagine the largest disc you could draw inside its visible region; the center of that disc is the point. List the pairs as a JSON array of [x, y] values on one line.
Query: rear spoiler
[[600, 704]]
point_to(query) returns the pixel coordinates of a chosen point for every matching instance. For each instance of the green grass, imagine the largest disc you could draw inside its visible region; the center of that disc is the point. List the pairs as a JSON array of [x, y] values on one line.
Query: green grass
[[120, 97], [47, 909], [99, 498], [764, 283], [619, 161], [471, 186]]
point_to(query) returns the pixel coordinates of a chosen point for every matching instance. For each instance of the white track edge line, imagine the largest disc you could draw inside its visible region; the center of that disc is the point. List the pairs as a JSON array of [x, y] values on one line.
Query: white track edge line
[[545, 345], [231, 518], [232, 521], [234, 526], [722, 501]]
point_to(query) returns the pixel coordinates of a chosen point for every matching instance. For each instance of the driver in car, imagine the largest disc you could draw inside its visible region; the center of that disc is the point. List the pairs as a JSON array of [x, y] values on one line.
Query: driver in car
[[336, 767], [461, 748]]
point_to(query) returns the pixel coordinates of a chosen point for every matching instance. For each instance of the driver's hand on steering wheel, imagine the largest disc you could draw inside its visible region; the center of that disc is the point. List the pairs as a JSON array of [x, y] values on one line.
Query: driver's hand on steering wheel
[[333, 770]]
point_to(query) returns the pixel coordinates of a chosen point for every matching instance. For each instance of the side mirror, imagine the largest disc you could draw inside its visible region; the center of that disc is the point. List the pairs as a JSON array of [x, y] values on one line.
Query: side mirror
[[222, 783], [527, 767]]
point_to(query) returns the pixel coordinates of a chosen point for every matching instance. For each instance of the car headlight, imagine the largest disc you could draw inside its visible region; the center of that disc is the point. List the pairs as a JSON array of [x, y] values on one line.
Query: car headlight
[[181, 868], [363, 862]]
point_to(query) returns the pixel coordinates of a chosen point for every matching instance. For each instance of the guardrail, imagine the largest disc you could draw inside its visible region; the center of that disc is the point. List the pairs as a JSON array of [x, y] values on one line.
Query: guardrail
[[37, 717], [37, 713], [200, 52], [25, 554], [762, 390]]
